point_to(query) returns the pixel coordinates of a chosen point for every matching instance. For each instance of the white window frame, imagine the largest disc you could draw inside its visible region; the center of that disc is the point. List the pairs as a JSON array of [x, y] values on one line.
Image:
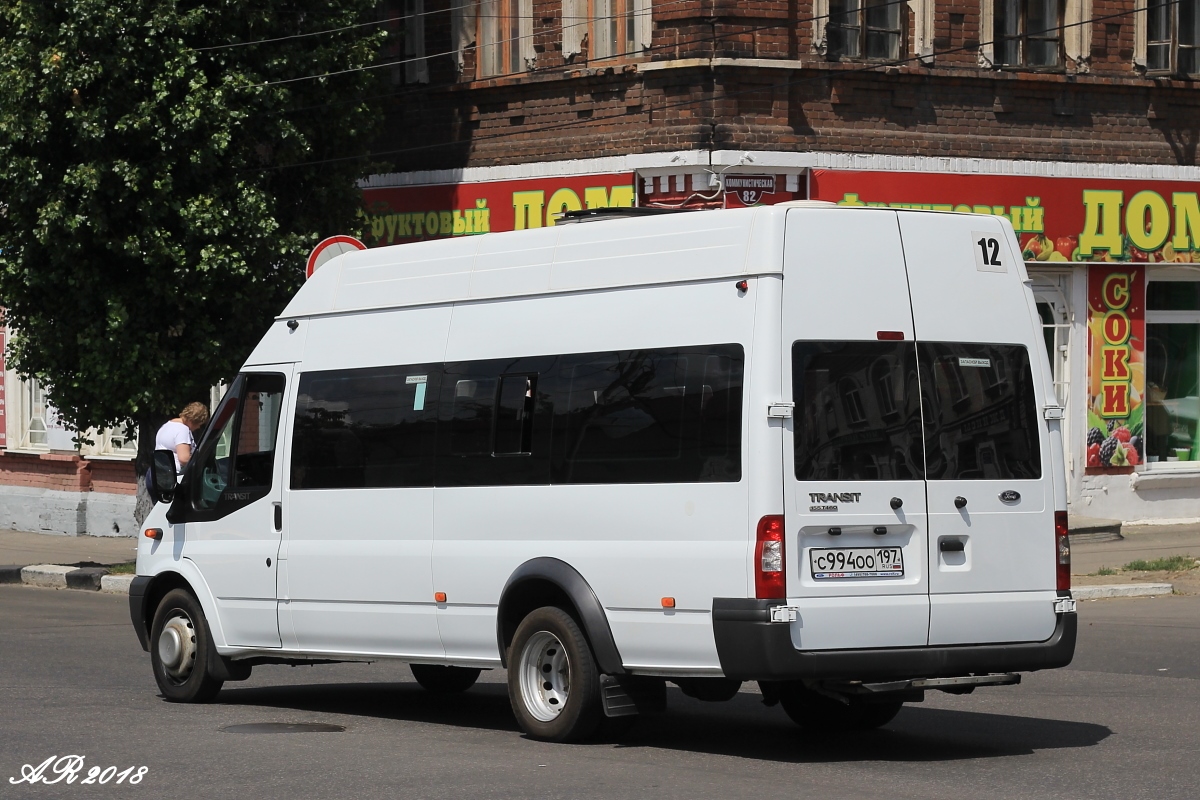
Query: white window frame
[[1141, 40], [497, 42], [19, 402], [580, 20]]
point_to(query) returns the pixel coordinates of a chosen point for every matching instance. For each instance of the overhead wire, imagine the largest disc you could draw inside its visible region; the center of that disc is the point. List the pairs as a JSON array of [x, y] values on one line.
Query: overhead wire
[[871, 67]]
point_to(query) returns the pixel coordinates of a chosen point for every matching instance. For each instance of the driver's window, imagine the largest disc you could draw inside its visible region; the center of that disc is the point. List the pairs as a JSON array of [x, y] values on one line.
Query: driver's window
[[242, 453]]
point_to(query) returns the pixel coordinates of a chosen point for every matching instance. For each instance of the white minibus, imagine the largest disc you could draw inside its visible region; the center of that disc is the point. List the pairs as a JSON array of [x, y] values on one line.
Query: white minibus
[[811, 446]]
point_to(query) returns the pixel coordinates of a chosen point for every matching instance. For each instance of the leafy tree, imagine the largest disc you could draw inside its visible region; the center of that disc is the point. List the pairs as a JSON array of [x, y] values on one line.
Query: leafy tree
[[157, 198]]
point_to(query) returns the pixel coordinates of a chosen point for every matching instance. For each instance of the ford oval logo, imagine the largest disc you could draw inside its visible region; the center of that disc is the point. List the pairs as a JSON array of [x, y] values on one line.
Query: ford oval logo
[[1009, 496]]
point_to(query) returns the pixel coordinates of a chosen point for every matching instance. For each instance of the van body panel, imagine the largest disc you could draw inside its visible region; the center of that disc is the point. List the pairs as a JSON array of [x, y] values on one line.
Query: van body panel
[[238, 552], [279, 345], [845, 281], [165, 555], [956, 619], [359, 575], [359, 571], [636, 543], [430, 272], [860, 621], [517, 265], [959, 296], [670, 249]]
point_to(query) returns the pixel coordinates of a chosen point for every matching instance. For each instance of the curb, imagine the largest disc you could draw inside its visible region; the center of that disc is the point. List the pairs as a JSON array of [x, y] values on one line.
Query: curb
[[54, 576], [1122, 590]]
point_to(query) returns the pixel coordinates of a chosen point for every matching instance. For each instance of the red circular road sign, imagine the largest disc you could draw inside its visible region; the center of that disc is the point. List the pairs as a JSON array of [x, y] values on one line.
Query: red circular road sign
[[328, 249]]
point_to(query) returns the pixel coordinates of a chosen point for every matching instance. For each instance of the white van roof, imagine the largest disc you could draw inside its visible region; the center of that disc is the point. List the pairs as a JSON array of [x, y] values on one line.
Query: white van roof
[[671, 248]]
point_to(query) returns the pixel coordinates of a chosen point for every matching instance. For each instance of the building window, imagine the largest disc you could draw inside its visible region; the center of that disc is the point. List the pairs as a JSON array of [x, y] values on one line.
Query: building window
[[33, 418], [505, 37], [1028, 33], [863, 29], [1172, 36], [1172, 371], [612, 28], [405, 45]]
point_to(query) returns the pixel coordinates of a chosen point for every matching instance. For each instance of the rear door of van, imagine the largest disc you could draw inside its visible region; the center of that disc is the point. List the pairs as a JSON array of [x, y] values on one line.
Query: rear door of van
[[990, 479], [856, 541]]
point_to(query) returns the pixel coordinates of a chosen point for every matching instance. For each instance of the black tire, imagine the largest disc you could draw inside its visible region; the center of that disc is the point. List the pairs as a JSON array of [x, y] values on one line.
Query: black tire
[[876, 715], [710, 690], [565, 706], [180, 649], [444, 680], [819, 714]]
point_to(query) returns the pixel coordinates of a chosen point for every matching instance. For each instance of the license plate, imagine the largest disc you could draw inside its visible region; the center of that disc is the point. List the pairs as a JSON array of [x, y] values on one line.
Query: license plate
[[856, 562]]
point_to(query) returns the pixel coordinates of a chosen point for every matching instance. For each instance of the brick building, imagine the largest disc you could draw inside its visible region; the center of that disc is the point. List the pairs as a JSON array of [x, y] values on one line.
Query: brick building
[[1077, 119]]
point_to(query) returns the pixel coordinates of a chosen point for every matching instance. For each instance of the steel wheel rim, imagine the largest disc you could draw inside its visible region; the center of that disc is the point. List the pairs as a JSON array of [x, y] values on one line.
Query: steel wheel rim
[[177, 646], [545, 676]]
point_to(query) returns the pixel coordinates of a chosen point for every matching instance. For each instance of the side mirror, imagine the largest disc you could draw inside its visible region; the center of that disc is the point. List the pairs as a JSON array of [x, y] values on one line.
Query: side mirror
[[163, 480]]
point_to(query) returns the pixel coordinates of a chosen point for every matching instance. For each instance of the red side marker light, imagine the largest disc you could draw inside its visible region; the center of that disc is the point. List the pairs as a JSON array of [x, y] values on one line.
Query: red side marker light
[[153, 533], [743, 286], [887, 336]]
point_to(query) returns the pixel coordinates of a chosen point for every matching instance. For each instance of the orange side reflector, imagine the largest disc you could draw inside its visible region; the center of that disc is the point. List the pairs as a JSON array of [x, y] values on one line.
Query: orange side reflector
[[668, 602], [153, 533], [439, 597]]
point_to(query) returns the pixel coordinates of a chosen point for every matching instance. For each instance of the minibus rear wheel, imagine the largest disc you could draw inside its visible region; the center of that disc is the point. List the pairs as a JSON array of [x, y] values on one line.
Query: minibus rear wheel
[[179, 650], [444, 680], [553, 680], [818, 713]]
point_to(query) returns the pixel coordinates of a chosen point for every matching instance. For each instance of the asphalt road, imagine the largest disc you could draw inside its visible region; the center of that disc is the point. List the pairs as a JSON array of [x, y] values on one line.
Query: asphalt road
[[1122, 722]]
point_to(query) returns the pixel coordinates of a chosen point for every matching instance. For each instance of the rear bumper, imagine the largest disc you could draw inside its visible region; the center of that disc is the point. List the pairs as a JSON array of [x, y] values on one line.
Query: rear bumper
[[137, 609], [751, 647]]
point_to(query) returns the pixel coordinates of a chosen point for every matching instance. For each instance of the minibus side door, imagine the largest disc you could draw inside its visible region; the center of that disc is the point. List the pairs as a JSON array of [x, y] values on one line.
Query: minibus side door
[[856, 529], [229, 504]]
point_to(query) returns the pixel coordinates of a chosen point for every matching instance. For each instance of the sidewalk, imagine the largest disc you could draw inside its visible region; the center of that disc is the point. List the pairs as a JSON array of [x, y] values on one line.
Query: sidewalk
[[1144, 543], [20, 548]]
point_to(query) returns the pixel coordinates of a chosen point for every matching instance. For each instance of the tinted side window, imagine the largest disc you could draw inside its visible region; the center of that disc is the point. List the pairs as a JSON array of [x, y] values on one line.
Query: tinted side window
[[858, 415], [980, 412], [495, 422], [365, 428], [649, 416]]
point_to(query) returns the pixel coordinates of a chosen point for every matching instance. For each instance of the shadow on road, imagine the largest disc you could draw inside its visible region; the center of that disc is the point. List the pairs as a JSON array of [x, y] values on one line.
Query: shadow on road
[[741, 728]]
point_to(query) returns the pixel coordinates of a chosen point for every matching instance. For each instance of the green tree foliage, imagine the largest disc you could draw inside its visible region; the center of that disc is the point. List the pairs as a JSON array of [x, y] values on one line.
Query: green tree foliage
[[152, 216]]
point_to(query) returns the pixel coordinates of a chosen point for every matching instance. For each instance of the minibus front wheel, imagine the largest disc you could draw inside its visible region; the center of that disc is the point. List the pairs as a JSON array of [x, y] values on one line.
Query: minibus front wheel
[[179, 650], [553, 680]]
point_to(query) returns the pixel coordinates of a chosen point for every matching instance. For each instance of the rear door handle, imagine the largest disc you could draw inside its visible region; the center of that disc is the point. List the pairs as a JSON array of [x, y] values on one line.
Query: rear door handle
[[951, 545]]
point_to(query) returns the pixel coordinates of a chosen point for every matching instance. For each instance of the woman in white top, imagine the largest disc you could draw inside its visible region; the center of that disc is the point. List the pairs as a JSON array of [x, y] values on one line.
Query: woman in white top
[[176, 435]]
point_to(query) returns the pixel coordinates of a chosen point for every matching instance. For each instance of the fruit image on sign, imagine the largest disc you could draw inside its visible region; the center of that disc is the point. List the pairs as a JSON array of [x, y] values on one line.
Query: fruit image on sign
[[1116, 366]]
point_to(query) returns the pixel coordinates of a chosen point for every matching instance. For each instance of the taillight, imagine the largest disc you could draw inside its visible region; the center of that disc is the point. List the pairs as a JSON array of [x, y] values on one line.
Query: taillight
[[768, 559], [1062, 546]]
